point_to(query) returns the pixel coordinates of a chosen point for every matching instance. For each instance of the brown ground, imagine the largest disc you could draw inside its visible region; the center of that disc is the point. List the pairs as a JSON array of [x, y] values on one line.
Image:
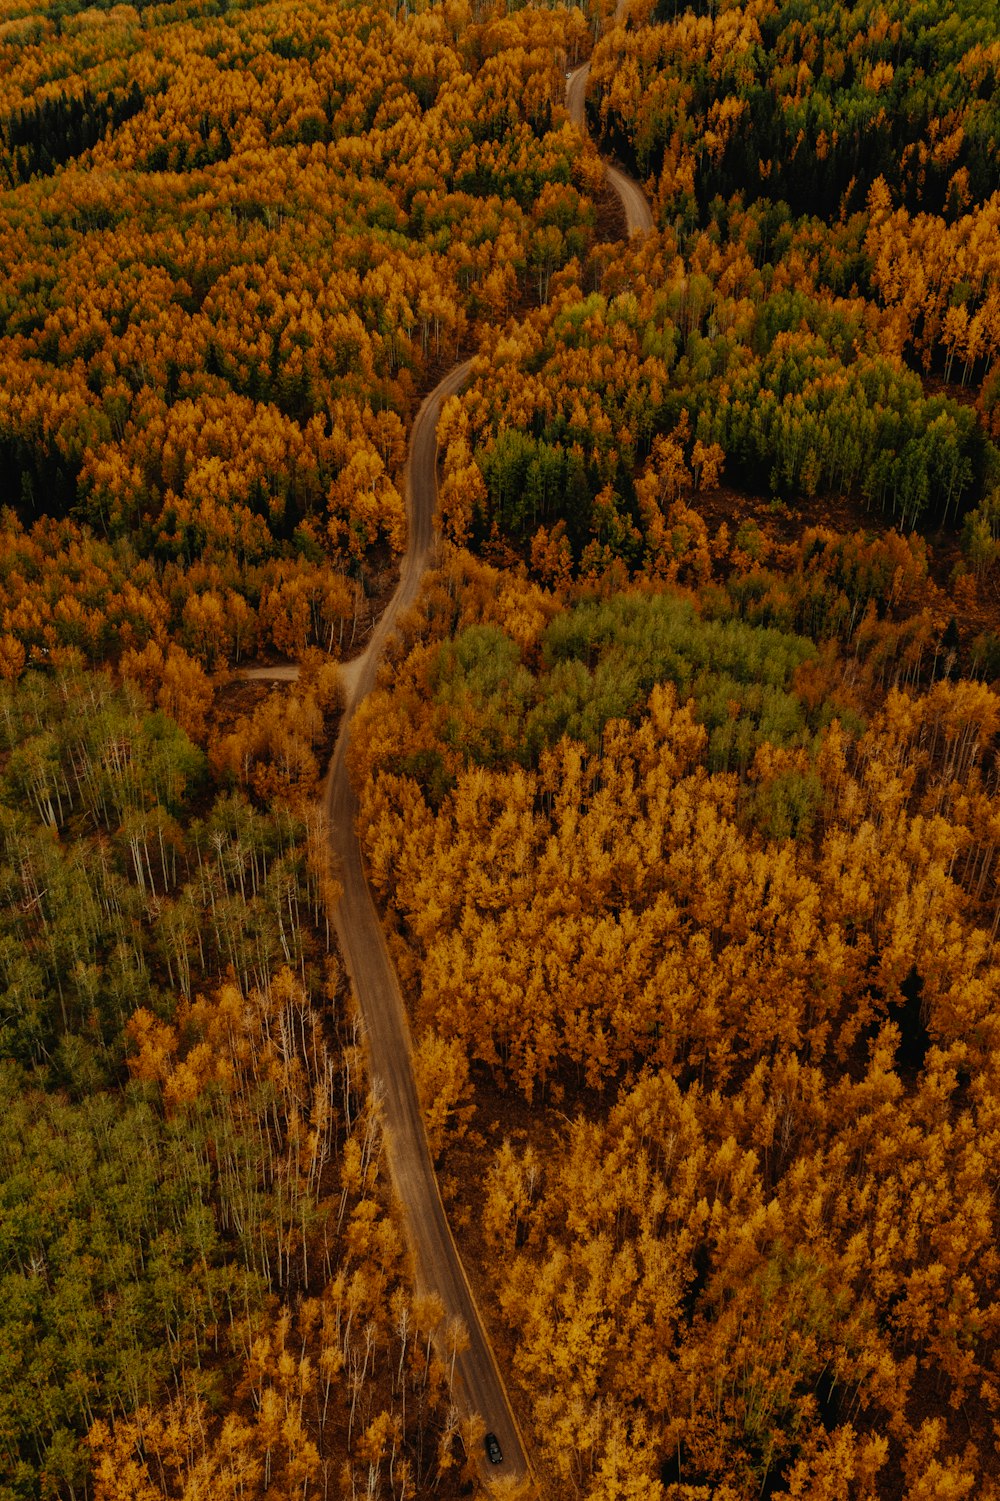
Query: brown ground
[[501, 1115], [235, 699], [975, 603], [612, 226]]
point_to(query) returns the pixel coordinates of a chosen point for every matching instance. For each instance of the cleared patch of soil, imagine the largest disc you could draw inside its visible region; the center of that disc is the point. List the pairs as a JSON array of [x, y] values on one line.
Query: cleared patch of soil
[[974, 603], [237, 699], [611, 223]]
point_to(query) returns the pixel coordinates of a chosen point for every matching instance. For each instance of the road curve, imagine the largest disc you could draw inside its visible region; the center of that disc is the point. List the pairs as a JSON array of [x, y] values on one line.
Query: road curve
[[638, 215], [438, 1266]]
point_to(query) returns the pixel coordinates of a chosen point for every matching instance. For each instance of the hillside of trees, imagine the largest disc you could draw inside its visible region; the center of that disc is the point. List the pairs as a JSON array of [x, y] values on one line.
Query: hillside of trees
[[789, 360], [678, 790], [807, 103]]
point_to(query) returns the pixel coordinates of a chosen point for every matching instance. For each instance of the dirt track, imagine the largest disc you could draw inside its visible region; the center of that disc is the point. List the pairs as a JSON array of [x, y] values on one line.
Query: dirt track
[[638, 215], [438, 1267], [373, 976]]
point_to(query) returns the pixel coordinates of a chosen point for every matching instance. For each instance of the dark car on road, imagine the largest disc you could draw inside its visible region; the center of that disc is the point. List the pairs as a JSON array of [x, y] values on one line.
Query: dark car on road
[[494, 1453]]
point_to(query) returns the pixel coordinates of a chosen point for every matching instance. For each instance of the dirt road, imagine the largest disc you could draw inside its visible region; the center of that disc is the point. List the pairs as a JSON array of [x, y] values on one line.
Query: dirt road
[[278, 672], [638, 215], [438, 1267], [437, 1263]]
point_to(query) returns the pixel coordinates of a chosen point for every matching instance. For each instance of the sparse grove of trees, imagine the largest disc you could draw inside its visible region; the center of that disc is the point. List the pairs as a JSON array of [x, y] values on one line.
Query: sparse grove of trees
[[201, 1293]]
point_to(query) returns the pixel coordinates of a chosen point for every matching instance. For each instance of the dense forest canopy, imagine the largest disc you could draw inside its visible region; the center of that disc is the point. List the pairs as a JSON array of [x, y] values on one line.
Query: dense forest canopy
[[684, 811], [237, 242], [819, 315], [233, 248], [721, 906], [807, 102], [678, 789]]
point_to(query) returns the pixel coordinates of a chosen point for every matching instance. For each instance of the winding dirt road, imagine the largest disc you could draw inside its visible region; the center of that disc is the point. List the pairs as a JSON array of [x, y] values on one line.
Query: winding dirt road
[[638, 215], [438, 1267], [437, 1263]]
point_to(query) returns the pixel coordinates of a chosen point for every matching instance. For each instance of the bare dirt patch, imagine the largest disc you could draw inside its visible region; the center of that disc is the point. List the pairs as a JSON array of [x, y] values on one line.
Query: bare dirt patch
[[236, 698], [611, 225], [973, 602]]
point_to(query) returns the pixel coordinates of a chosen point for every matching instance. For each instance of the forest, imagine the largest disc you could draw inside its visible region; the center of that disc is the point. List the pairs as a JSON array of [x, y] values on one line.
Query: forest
[[677, 791], [271, 227], [237, 244], [718, 902]]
